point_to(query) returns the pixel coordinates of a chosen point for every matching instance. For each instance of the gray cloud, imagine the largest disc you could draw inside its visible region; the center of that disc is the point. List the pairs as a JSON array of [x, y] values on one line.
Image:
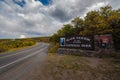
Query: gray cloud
[[61, 15], [115, 4], [68, 9], [35, 19]]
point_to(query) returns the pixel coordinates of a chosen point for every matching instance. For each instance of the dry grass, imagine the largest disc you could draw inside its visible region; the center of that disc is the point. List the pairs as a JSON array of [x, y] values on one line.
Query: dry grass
[[68, 67]]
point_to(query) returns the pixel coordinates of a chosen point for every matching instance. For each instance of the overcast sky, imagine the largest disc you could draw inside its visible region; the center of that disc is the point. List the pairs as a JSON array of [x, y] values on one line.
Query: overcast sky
[[32, 18]]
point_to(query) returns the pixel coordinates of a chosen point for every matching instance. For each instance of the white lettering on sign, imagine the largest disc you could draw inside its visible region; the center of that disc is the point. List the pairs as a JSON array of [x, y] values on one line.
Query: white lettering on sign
[[76, 41], [86, 45], [72, 38], [83, 38], [73, 45]]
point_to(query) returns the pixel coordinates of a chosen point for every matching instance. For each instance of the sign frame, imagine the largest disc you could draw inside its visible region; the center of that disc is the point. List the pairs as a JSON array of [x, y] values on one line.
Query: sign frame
[[77, 42]]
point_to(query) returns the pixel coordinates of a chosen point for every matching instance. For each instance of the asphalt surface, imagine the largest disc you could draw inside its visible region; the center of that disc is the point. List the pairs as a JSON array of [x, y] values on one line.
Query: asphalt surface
[[18, 64]]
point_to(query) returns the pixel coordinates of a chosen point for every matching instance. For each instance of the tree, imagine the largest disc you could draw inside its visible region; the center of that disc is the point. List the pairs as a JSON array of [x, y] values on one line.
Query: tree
[[105, 11], [67, 30], [114, 22], [78, 24], [91, 23], [54, 38]]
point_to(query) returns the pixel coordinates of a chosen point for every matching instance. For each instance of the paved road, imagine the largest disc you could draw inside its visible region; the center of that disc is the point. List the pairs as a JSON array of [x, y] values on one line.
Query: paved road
[[18, 64]]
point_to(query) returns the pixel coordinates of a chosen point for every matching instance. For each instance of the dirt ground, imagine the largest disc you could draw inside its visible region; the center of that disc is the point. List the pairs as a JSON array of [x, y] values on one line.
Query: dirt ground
[[69, 67]]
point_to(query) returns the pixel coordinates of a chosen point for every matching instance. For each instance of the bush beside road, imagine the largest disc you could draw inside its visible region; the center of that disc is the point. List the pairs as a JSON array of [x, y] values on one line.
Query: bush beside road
[[8, 44]]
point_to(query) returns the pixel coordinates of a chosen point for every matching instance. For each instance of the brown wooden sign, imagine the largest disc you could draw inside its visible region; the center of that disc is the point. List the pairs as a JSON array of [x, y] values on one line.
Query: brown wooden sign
[[79, 42]]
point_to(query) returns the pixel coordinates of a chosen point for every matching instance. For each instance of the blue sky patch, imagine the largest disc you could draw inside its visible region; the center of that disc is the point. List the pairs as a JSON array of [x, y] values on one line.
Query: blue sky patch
[[45, 2], [20, 3]]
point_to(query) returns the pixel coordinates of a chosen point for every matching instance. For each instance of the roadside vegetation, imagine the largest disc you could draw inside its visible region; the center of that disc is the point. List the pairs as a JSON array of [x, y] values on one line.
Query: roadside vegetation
[[11, 44], [104, 21], [98, 22], [8, 44]]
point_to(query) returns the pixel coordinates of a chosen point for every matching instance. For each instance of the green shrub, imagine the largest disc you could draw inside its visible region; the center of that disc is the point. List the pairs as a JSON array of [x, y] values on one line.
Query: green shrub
[[53, 48], [3, 48]]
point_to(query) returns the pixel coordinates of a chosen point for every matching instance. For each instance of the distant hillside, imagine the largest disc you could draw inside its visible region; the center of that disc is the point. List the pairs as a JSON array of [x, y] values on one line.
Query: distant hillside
[[41, 39]]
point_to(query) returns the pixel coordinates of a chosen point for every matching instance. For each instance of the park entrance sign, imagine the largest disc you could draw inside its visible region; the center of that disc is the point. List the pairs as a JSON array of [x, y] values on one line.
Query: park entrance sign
[[77, 42]]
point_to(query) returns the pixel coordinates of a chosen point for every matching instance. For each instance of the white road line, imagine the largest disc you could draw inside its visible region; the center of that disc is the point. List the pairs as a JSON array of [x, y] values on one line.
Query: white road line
[[30, 55], [16, 53]]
